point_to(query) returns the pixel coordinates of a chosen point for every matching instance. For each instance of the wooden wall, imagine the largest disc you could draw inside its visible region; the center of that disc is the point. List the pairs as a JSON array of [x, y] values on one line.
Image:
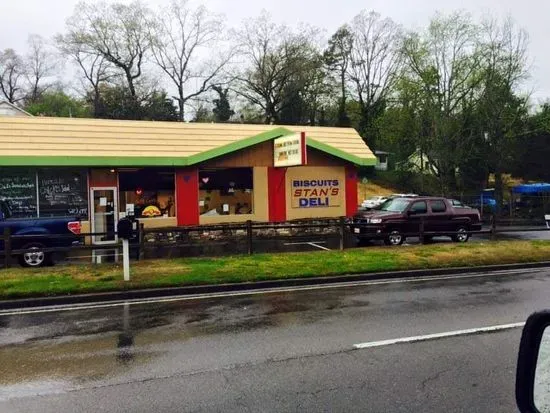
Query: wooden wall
[[262, 155]]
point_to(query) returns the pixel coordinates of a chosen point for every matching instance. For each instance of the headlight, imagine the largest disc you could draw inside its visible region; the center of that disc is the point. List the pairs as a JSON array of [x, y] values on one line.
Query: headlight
[[376, 220]]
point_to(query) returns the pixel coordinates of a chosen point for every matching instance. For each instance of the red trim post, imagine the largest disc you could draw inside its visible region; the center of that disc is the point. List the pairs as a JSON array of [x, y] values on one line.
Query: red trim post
[[187, 196], [351, 190], [276, 187]]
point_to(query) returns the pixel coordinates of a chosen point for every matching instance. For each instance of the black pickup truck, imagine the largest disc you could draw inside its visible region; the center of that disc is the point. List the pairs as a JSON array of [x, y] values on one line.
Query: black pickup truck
[[397, 217], [35, 233]]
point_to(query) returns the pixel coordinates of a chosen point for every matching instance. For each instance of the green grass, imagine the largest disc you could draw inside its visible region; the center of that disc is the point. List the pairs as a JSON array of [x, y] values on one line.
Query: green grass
[[74, 279]]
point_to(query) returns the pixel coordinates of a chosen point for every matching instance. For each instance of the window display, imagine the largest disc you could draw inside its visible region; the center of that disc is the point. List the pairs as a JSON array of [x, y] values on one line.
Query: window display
[[147, 193], [226, 191]]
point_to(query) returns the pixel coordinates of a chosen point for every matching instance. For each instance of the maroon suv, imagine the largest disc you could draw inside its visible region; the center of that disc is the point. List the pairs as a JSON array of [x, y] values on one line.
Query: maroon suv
[[399, 217]]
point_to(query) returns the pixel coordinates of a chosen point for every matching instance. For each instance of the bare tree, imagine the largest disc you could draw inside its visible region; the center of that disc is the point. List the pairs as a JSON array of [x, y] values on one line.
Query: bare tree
[[117, 32], [94, 67], [181, 38], [12, 69], [40, 65], [375, 61], [504, 46], [277, 64]]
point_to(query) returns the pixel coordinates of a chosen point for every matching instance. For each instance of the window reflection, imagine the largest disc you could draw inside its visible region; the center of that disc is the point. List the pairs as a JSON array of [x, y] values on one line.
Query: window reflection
[[226, 191]]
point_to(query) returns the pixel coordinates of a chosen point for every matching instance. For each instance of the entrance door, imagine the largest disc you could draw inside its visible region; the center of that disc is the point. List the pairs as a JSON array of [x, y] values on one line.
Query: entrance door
[[104, 214]]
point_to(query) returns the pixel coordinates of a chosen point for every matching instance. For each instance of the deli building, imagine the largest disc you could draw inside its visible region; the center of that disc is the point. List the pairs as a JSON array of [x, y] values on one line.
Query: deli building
[[170, 174]]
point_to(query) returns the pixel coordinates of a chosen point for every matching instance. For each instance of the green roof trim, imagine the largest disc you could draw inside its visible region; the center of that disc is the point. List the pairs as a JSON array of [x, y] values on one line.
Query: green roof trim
[[104, 161], [331, 150], [133, 161], [238, 145]]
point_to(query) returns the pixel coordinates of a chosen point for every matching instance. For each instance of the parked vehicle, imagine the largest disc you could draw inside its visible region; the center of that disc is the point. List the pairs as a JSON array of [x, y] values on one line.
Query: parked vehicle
[[393, 196], [373, 202], [457, 204], [38, 227], [400, 216], [403, 195]]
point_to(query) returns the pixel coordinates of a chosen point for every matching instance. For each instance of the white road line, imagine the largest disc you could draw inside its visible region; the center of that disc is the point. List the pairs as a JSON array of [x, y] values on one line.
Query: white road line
[[140, 301], [436, 336]]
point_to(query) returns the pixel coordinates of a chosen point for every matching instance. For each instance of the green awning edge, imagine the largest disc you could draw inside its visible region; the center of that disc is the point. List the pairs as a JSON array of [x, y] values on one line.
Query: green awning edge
[[134, 161], [331, 150], [238, 145], [91, 161]]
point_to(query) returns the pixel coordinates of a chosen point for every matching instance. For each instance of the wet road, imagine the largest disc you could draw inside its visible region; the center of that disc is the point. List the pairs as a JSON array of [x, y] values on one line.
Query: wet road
[[287, 351]]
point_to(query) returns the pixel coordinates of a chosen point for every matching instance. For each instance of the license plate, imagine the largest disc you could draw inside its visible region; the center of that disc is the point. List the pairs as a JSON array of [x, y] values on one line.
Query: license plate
[[357, 230]]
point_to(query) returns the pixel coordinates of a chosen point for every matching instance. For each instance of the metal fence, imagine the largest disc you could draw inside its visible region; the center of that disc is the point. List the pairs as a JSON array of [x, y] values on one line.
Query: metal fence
[[243, 238], [514, 206]]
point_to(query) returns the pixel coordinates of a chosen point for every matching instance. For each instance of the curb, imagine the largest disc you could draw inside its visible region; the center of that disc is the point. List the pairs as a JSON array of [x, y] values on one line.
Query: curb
[[252, 286]]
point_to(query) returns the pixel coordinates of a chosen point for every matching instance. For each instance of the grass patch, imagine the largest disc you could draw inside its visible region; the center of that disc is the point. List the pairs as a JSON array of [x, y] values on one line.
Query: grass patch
[[74, 279]]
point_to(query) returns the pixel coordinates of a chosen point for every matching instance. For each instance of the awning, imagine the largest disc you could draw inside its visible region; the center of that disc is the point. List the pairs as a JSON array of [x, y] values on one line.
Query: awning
[[531, 188]]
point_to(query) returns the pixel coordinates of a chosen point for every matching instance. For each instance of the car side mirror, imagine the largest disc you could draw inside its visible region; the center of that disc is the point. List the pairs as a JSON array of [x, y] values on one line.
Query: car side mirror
[[533, 369], [411, 212]]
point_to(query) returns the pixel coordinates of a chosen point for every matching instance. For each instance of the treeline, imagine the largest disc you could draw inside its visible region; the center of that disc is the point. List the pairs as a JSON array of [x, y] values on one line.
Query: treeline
[[450, 92]]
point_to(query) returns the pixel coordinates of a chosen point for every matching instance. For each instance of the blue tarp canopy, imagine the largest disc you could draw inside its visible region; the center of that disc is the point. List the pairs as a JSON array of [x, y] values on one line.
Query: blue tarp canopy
[[531, 188]]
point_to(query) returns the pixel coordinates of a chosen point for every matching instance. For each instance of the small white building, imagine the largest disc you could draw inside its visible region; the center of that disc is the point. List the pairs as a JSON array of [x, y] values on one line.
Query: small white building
[[381, 160], [9, 109]]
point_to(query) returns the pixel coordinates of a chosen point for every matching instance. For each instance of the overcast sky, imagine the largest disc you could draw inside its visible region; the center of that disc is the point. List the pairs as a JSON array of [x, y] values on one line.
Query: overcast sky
[[47, 17]]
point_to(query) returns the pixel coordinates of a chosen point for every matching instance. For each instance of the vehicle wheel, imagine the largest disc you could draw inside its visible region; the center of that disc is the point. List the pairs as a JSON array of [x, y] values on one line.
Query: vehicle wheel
[[394, 238], [461, 235], [35, 258]]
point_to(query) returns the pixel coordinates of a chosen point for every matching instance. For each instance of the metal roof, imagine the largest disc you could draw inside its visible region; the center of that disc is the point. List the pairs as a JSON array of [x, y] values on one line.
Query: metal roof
[[14, 109], [97, 142]]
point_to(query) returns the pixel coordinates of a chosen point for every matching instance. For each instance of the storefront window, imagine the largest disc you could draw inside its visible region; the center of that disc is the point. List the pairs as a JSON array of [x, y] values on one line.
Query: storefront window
[[63, 192], [226, 191], [18, 189], [45, 192], [147, 193]]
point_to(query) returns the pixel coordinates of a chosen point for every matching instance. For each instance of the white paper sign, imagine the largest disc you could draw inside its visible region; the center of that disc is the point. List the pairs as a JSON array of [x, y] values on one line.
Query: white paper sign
[[103, 201], [225, 207], [289, 150], [129, 208], [201, 203]]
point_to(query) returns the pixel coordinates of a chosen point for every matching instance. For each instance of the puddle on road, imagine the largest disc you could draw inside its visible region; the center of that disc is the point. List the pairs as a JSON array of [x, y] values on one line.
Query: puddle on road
[[56, 352], [33, 388]]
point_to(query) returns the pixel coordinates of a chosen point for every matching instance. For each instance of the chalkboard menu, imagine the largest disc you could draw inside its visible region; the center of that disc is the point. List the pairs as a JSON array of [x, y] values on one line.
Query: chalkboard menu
[[63, 192], [18, 188]]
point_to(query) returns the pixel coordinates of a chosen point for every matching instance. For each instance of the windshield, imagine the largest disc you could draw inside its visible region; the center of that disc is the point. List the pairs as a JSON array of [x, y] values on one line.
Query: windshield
[[395, 205]]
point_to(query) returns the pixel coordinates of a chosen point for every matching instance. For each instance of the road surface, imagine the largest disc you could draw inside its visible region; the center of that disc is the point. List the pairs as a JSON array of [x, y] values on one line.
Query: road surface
[[292, 351]]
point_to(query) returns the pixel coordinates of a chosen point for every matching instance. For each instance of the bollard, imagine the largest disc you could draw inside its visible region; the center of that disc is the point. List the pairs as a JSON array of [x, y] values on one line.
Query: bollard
[[126, 259]]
